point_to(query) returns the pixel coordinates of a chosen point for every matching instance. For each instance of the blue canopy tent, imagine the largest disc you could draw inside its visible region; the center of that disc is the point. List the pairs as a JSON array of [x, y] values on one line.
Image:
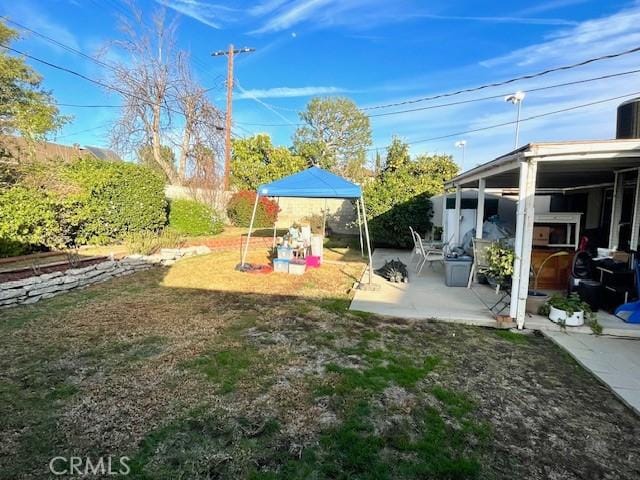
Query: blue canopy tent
[[314, 182]]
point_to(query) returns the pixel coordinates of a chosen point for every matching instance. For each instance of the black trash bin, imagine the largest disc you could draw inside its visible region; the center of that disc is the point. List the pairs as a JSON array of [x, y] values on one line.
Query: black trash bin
[[590, 291]]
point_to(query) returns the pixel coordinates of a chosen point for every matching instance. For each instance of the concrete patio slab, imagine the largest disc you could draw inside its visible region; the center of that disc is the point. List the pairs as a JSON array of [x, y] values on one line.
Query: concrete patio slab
[[426, 296], [613, 360]]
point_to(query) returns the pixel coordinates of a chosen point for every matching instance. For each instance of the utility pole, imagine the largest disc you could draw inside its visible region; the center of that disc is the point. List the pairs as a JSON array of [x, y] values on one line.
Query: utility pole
[[227, 130]]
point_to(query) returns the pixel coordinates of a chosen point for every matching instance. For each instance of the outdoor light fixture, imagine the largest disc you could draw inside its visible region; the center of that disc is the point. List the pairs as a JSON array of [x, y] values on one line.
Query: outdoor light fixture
[[516, 99], [461, 144]]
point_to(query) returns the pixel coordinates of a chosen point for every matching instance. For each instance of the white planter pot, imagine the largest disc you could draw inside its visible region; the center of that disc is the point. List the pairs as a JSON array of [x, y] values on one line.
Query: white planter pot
[[560, 316]]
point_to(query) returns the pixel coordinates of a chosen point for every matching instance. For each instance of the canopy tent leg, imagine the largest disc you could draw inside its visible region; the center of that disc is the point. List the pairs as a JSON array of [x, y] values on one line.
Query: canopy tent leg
[[253, 216], [366, 230], [527, 243], [274, 225], [360, 228], [324, 219]]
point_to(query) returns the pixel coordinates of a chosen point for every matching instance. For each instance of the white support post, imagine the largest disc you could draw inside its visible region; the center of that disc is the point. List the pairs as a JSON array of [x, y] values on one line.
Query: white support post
[[456, 231], [520, 209], [616, 210], [480, 208], [445, 233], [635, 223], [360, 229], [366, 229], [527, 243], [253, 216]]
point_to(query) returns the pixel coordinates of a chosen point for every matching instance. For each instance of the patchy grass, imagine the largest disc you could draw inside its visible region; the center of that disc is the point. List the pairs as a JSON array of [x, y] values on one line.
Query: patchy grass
[[199, 371], [513, 337]]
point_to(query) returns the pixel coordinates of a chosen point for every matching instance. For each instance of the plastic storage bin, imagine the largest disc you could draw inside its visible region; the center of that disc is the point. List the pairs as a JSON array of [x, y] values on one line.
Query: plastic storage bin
[[457, 270], [285, 253], [297, 267], [281, 265], [312, 261]]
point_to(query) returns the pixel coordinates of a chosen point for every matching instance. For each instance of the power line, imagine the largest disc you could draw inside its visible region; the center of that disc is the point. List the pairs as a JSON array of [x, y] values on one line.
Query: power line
[[472, 100], [264, 104], [502, 95], [99, 127], [511, 80], [97, 82], [497, 125]]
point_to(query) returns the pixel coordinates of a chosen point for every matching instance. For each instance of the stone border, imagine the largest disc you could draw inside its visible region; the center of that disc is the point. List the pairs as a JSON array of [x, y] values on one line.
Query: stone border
[[32, 289]]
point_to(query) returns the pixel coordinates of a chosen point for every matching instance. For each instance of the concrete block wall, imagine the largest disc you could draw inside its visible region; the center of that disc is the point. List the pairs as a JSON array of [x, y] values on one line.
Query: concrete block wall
[[341, 214]]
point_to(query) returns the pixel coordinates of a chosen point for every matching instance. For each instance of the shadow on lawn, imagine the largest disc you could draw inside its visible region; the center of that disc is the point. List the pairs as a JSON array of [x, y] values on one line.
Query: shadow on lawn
[[265, 377]]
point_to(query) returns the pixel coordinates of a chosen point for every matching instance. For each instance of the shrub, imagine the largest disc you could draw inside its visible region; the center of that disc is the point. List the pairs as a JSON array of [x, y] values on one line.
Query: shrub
[[240, 208], [28, 221], [399, 197], [146, 242], [115, 199], [190, 217]]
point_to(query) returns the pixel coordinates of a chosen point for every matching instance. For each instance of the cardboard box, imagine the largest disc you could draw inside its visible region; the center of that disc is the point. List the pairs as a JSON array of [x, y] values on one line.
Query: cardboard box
[[541, 235], [620, 256]]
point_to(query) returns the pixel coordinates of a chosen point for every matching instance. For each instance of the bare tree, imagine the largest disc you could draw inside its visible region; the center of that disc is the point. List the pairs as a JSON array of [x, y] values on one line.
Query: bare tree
[[163, 105]]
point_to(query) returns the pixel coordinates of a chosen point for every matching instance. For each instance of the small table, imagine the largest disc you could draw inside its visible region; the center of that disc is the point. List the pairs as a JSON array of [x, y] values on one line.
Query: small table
[[617, 281]]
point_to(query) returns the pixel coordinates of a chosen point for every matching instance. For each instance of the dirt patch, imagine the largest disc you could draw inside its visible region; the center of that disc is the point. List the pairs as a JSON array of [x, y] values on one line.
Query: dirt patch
[[199, 371]]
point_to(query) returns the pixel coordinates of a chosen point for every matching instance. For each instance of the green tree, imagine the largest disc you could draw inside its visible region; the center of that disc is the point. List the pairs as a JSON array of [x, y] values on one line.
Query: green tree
[[399, 196], [397, 155], [255, 160], [25, 108], [335, 135]]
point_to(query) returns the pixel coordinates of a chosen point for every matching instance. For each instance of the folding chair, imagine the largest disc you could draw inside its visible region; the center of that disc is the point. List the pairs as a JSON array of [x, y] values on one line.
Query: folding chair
[[431, 255]]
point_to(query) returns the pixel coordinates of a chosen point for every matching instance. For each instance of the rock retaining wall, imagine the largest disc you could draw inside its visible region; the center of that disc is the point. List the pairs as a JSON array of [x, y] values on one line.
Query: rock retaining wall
[[30, 290]]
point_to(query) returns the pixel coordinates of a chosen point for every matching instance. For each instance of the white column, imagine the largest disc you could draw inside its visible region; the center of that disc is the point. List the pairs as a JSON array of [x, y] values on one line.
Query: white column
[[635, 222], [456, 231], [520, 209], [616, 210], [445, 233], [527, 243], [480, 208]]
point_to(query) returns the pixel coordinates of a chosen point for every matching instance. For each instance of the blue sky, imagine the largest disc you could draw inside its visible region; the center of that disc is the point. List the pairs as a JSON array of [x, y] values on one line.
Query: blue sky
[[373, 51]]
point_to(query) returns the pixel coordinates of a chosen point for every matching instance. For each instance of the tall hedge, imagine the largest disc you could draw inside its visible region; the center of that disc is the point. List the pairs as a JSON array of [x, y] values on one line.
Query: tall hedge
[[190, 217], [28, 221], [116, 198]]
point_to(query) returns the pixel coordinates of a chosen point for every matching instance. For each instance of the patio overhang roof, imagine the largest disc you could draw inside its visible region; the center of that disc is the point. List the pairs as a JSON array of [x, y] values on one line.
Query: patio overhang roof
[[562, 165]]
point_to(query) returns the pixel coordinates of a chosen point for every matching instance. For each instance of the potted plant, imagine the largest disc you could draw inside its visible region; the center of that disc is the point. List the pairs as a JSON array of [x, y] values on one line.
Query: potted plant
[[536, 298], [567, 310], [499, 264]]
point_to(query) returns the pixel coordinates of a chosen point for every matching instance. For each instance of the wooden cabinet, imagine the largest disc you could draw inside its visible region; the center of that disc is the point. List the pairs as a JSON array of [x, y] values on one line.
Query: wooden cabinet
[[555, 275]]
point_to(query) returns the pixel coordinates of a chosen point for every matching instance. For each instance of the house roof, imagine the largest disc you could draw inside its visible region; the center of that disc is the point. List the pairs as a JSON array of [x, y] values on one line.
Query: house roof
[[560, 164], [314, 182]]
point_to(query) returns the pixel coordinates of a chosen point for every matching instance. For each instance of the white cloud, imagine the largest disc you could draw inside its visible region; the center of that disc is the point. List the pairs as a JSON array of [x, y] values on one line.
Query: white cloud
[[32, 17], [549, 6], [498, 19], [587, 39], [289, 92], [210, 14], [322, 13], [590, 38], [265, 7]]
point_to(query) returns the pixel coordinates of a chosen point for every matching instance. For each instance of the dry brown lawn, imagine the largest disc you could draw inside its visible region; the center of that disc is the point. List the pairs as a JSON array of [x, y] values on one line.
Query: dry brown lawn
[[199, 371]]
